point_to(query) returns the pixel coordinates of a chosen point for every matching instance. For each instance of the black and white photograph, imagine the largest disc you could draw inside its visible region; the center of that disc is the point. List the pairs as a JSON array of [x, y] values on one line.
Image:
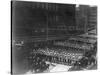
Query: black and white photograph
[[53, 37]]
